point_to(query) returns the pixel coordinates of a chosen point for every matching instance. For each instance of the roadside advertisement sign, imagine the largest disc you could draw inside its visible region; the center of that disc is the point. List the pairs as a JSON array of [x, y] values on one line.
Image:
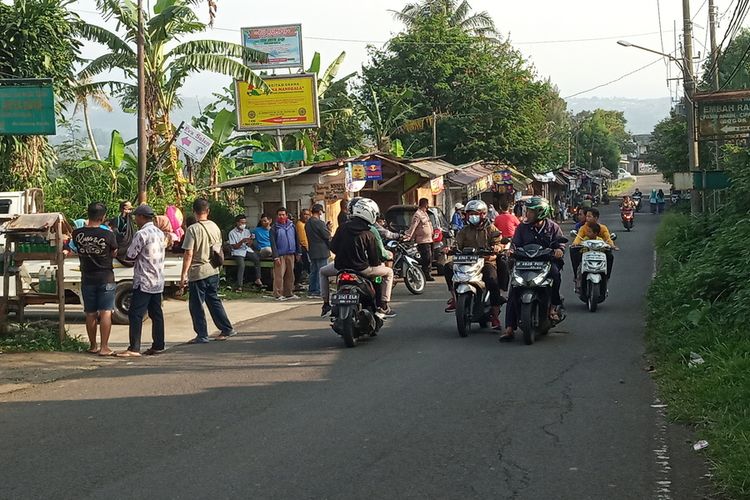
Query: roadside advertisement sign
[[437, 185], [367, 170], [282, 43], [27, 109], [503, 177], [353, 185], [193, 142], [292, 103]]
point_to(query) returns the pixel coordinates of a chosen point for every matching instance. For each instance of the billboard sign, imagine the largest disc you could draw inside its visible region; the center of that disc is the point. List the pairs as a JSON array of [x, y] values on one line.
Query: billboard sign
[[282, 44], [723, 115], [292, 103], [27, 109], [367, 170]]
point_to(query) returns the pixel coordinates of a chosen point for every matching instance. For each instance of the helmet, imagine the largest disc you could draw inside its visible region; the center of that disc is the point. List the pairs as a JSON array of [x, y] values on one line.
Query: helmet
[[459, 206], [353, 202], [366, 209], [541, 206], [476, 207]]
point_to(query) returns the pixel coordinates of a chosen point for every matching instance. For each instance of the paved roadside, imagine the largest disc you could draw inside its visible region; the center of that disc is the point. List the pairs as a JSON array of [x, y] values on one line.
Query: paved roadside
[[23, 370]]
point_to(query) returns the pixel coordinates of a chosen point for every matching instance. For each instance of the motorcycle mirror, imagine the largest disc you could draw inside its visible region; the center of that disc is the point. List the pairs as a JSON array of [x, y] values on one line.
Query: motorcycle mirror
[[614, 236], [573, 232]]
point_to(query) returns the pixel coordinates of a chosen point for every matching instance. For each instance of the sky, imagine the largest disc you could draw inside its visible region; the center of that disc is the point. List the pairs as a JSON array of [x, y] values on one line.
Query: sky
[[542, 30]]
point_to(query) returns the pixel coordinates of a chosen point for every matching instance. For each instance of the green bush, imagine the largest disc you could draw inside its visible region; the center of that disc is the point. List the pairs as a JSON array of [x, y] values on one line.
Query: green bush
[[700, 303], [38, 336]]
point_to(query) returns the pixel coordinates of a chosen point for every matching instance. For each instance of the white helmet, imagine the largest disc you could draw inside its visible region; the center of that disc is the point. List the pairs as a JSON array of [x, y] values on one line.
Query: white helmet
[[366, 209], [459, 206]]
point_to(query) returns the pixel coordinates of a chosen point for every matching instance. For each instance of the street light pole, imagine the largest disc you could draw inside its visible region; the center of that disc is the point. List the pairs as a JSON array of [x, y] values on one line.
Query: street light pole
[[142, 146], [695, 201]]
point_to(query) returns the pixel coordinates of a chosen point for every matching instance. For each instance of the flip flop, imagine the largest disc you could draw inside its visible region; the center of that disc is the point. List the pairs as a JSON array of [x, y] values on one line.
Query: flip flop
[[92, 351], [128, 354], [107, 355]]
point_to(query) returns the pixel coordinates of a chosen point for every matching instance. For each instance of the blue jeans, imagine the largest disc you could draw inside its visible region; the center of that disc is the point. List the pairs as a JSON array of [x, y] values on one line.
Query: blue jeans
[[315, 265], [207, 291], [140, 302]]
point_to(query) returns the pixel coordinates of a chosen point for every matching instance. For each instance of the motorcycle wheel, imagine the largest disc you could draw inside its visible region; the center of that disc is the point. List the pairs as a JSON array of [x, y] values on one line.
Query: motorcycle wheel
[[463, 314], [593, 299], [347, 331], [529, 322], [414, 280]]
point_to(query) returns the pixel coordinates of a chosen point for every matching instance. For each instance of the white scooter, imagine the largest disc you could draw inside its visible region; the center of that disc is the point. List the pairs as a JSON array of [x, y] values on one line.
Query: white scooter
[[592, 274]]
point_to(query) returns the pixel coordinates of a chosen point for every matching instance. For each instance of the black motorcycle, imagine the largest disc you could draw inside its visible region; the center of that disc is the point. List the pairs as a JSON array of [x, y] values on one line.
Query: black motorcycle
[[354, 307], [637, 199], [531, 281]]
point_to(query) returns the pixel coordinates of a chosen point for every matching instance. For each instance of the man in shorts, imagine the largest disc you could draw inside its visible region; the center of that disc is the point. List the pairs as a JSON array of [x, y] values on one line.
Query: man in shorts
[[96, 247]]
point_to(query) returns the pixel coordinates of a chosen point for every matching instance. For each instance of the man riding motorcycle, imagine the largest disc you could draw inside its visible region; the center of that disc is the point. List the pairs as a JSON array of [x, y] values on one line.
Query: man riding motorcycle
[[539, 228], [480, 233], [356, 249], [592, 215]]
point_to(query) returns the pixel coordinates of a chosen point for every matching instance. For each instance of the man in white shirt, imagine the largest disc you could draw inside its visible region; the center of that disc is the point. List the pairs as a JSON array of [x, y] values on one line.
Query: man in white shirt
[[240, 239]]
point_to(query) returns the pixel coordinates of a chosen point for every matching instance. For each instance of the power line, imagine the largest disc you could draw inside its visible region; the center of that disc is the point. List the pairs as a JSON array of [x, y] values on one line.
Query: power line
[[615, 80]]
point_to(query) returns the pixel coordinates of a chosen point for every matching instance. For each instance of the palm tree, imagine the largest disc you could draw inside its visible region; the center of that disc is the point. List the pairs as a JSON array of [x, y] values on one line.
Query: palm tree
[[168, 63], [83, 91], [457, 12]]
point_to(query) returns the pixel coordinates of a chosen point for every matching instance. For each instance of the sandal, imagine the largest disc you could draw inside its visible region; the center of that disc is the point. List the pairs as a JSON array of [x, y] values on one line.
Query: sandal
[[106, 354], [507, 337], [128, 354]]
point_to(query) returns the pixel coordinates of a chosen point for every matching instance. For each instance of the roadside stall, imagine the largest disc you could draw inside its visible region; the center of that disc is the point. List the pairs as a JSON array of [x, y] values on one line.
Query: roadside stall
[[33, 237]]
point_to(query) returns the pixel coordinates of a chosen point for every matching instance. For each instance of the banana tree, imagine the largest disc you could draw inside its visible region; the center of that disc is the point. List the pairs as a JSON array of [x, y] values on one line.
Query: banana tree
[[169, 61], [86, 91]]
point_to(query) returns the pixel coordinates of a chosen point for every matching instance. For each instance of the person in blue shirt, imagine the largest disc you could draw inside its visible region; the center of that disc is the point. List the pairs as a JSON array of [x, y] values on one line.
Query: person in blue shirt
[[457, 221], [262, 243], [580, 219]]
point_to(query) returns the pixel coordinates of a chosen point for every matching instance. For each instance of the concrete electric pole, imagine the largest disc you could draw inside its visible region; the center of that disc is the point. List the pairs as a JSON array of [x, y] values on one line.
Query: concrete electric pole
[[142, 145], [689, 79]]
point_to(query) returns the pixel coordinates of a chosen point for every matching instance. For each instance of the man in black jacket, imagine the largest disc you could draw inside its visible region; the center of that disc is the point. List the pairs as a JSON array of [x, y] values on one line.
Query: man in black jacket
[[356, 249], [319, 241]]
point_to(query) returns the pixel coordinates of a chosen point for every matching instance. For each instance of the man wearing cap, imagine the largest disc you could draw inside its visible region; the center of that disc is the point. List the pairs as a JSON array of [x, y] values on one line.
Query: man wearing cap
[[457, 221], [147, 250], [318, 241]]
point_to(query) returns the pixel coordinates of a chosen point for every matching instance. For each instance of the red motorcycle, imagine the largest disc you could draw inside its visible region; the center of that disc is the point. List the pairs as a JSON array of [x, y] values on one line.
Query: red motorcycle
[[628, 217]]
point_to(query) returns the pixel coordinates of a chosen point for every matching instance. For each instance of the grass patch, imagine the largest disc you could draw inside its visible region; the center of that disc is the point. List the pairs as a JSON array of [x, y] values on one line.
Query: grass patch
[[38, 336], [699, 303], [620, 187]]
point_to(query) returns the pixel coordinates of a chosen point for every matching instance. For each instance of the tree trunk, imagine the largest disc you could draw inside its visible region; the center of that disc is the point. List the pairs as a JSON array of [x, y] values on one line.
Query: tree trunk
[[90, 132]]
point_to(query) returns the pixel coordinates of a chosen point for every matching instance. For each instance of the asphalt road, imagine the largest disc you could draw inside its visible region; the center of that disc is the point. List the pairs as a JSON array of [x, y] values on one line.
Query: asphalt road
[[285, 411]]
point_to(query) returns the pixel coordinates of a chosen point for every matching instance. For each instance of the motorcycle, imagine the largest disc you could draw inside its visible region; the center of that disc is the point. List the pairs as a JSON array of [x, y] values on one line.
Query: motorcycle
[[472, 296], [530, 276], [354, 307], [637, 199], [628, 217], [591, 284], [406, 266]]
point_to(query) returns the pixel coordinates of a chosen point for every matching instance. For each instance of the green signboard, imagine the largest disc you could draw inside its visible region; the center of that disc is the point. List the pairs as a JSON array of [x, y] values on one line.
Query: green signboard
[[278, 156], [720, 119], [27, 109], [715, 179]]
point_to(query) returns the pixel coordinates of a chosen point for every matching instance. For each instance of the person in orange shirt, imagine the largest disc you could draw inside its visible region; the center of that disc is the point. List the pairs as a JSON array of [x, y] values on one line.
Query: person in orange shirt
[[506, 222]]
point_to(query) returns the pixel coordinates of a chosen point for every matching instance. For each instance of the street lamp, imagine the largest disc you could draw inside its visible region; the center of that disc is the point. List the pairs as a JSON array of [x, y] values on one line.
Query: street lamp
[[686, 66]]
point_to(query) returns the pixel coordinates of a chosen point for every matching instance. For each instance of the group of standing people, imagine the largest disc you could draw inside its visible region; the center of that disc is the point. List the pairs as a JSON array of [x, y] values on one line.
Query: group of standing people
[[97, 246]]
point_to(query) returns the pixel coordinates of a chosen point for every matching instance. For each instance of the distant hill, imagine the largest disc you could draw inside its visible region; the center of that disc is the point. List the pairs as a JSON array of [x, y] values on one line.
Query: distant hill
[[641, 114]]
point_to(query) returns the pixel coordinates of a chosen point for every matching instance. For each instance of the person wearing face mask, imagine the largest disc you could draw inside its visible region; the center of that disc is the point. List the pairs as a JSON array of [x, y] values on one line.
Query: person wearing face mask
[[241, 239], [286, 252], [480, 233]]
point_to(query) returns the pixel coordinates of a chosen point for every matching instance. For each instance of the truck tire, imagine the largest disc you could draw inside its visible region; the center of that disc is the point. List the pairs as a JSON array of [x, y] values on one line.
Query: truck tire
[[122, 303]]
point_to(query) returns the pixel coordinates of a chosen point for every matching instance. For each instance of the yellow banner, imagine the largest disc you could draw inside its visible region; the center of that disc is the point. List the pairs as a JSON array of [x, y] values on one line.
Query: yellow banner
[[292, 104]]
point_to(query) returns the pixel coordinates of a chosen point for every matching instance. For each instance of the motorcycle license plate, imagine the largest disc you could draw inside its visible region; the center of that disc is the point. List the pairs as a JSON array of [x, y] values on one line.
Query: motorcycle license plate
[[529, 265], [345, 299], [465, 259]]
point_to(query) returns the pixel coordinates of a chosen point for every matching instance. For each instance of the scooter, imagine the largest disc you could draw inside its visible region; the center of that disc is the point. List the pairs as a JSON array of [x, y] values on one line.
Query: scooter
[[353, 313], [472, 296], [628, 217], [406, 266], [637, 199], [591, 283], [530, 276]]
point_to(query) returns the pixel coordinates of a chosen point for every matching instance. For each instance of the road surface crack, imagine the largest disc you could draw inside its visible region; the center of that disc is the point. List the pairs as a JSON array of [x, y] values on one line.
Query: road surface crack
[[516, 477], [565, 409]]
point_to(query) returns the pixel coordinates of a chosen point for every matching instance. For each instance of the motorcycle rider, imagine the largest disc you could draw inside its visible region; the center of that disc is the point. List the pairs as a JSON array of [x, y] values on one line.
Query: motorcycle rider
[[592, 215], [480, 233], [627, 203], [457, 221], [356, 248], [538, 228]]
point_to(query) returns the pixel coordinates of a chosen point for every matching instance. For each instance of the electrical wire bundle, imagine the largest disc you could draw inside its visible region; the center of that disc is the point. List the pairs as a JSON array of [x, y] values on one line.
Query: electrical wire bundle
[[735, 24]]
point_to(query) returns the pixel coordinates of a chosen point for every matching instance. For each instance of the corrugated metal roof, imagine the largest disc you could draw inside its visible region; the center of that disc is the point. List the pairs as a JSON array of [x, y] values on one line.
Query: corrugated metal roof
[[273, 176], [36, 222], [430, 168]]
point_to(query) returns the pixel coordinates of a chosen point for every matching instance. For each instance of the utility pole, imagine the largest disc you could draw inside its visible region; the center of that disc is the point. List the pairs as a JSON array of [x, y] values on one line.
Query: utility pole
[[712, 11], [280, 148], [695, 195], [142, 145]]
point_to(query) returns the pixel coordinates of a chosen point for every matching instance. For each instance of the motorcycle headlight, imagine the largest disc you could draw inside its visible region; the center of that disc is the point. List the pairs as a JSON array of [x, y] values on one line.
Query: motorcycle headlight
[[518, 279], [542, 276]]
